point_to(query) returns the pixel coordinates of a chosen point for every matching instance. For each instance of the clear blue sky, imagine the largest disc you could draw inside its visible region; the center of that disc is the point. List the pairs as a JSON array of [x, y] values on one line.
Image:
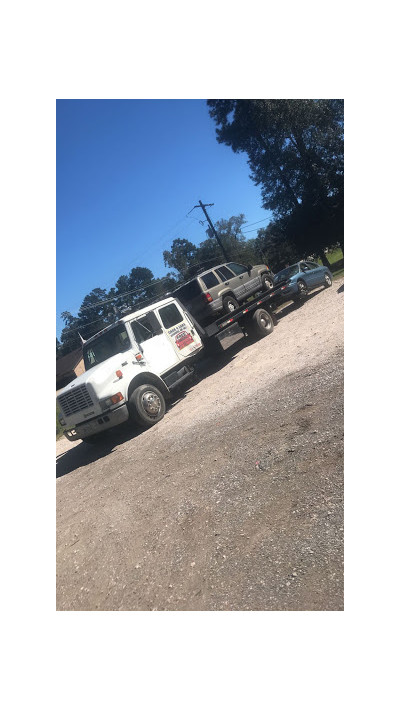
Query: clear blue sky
[[127, 172]]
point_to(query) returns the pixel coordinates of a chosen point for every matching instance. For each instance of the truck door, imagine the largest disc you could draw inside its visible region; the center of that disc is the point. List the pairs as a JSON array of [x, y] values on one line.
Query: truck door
[[155, 346], [180, 330]]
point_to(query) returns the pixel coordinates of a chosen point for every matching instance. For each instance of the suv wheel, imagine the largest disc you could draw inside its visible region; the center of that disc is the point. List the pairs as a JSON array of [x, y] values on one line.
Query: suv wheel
[[266, 282], [229, 304]]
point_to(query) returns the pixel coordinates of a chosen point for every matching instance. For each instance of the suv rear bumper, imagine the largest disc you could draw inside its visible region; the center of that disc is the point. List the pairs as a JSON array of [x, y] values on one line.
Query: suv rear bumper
[[98, 424]]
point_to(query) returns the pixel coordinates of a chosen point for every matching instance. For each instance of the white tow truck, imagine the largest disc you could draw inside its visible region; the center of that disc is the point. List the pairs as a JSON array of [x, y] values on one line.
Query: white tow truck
[[131, 369], [133, 366]]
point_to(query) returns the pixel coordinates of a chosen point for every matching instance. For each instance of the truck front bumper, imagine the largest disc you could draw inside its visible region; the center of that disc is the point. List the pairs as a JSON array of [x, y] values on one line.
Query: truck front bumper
[[98, 424]]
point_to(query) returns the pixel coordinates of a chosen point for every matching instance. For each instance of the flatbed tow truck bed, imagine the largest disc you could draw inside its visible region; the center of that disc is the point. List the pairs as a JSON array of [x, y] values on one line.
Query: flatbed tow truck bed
[[245, 313]]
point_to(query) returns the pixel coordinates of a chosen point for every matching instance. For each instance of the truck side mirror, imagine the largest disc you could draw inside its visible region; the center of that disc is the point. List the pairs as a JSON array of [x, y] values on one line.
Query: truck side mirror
[[249, 267]]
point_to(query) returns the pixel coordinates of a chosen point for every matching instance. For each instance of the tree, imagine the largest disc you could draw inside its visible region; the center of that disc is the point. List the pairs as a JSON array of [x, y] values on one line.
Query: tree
[[141, 284], [69, 335], [235, 243], [295, 151], [274, 248], [122, 290], [180, 257]]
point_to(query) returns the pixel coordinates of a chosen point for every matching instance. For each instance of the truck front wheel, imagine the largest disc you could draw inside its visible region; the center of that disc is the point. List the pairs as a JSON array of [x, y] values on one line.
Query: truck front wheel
[[146, 405], [260, 324]]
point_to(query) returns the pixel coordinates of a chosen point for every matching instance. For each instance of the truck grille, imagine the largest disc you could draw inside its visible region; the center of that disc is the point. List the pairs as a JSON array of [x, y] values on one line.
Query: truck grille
[[75, 400]]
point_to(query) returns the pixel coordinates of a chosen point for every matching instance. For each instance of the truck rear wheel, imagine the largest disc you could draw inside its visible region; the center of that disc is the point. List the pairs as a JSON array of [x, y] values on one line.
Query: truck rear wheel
[[146, 405], [261, 324]]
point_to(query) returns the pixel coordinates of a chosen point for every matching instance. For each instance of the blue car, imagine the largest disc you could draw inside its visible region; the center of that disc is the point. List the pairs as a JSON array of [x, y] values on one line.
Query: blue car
[[303, 277]]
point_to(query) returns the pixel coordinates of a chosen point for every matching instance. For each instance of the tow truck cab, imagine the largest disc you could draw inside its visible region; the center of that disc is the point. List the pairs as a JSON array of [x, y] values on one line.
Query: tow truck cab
[[131, 369]]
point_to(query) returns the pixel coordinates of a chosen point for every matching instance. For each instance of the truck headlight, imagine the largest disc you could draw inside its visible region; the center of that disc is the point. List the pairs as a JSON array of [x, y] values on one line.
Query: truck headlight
[[112, 400]]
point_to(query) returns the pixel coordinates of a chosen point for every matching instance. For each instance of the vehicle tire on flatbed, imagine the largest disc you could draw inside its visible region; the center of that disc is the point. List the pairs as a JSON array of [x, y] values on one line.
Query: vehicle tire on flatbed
[[267, 282], [260, 324], [146, 405], [230, 304]]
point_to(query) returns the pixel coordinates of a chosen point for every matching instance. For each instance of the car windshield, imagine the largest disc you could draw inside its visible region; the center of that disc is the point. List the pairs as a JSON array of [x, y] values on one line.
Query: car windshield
[[287, 273], [108, 344]]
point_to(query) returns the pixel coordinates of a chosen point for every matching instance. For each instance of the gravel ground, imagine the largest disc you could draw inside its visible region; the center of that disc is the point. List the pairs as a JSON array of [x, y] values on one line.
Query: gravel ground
[[234, 501]]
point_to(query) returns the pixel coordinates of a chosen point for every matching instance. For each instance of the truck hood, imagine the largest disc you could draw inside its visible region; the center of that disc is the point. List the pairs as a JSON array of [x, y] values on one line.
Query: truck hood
[[99, 373]]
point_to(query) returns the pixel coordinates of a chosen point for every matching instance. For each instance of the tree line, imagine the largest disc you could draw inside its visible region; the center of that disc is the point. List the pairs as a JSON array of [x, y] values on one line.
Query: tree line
[[295, 151]]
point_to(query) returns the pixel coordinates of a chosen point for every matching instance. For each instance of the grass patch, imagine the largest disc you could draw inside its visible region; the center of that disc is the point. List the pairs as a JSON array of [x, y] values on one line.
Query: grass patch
[[336, 260]]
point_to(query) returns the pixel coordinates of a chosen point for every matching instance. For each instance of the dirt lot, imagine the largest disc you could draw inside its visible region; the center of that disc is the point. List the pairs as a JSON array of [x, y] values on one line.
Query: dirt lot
[[234, 500]]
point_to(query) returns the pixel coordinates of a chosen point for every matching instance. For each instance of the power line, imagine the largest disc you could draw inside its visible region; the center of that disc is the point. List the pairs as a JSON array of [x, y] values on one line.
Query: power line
[[159, 281], [249, 224]]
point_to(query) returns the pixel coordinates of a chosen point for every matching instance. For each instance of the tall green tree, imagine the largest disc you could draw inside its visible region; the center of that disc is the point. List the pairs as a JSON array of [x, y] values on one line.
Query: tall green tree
[[180, 257], [295, 151]]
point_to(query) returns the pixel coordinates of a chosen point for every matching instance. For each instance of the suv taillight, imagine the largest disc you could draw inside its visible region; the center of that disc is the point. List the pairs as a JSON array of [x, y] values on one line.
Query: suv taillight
[[207, 297]]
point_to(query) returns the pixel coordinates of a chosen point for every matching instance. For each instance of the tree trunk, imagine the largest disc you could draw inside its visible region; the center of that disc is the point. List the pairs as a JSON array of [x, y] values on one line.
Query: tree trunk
[[324, 259]]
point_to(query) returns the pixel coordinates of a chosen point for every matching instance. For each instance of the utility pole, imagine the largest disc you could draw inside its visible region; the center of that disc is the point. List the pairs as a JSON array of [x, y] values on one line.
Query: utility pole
[[213, 230]]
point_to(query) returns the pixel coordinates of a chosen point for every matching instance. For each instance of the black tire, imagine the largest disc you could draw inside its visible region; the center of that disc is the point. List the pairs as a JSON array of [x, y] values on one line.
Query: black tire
[[261, 324], [327, 281], [267, 282], [302, 290], [146, 405], [230, 304]]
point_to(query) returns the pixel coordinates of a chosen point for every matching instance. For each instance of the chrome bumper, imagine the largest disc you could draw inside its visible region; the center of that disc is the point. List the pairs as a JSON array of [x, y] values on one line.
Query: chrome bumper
[[98, 424]]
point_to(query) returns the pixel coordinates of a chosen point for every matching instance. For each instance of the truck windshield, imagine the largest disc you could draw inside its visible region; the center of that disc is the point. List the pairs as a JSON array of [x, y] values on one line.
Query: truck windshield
[[108, 344]]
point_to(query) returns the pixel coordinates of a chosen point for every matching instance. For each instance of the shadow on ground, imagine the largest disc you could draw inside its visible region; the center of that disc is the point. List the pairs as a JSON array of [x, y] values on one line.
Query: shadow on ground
[[291, 306]]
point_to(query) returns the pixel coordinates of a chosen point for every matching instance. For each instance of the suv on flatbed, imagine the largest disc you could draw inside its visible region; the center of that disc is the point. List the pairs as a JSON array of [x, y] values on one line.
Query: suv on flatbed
[[222, 288]]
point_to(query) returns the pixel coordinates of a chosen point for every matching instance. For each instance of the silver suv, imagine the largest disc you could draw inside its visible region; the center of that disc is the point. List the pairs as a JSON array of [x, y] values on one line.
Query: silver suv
[[222, 288]]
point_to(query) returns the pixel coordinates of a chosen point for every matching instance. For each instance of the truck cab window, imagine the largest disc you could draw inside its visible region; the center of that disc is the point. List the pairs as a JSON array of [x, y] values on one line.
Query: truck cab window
[[114, 341], [170, 315], [146, 327]]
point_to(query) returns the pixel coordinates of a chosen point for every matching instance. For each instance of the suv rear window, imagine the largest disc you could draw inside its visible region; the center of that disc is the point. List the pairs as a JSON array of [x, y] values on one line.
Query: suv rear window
[[188, 291], [210, 280]]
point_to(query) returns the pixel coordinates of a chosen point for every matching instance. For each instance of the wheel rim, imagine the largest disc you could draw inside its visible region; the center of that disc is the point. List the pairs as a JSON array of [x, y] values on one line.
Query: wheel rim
[[231, 305], [302, 287], [328, 280], [265, 322], [151, 404], [267, 284]]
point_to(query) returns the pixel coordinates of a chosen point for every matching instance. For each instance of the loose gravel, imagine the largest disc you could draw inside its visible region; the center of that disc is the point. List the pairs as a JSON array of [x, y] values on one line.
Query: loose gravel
[[235, 500]]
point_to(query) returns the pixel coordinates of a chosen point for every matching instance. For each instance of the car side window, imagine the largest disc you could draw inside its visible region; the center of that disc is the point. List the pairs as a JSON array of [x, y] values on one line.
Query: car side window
[[146, 327], [304, 267], [312, 265], [224, 273], [210, 280], [237, 268]]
